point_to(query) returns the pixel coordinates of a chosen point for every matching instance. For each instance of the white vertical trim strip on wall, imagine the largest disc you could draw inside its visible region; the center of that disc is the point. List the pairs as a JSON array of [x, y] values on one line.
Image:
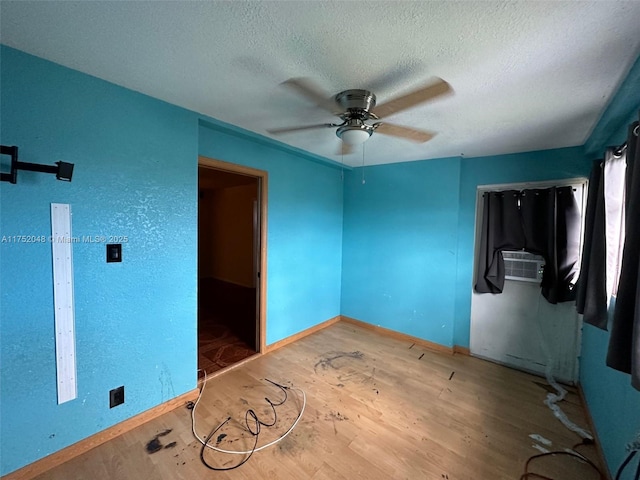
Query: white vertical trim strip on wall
[[64, 309]]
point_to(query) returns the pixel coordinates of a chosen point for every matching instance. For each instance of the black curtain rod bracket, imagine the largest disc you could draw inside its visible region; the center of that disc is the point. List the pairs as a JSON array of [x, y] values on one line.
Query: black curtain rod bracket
[[621, 149], [62, 170]]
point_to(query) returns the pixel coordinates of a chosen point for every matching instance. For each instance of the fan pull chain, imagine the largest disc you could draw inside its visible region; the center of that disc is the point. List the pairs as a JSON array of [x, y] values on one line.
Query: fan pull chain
[[363, 180]]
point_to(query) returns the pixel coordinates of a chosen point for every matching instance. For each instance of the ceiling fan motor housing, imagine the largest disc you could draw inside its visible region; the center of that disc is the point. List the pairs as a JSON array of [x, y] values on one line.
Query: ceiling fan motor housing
[[357, 105], [363, 100]]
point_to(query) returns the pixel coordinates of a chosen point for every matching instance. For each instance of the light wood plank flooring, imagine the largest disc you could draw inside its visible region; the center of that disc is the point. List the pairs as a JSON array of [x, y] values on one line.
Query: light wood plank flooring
[[377, 408]]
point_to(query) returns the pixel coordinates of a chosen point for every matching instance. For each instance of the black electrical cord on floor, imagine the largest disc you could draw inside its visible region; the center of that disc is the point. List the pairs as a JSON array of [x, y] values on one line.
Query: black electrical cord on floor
[[526, 475], [256, 433], [625, 463], [213, 432]]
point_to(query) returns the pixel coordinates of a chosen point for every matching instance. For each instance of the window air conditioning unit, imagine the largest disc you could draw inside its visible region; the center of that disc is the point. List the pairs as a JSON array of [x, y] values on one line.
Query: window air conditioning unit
[[523, 266]]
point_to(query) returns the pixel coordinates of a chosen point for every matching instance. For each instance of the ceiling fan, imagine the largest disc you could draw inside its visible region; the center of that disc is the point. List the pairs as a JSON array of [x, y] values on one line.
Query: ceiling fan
[[359, 114]]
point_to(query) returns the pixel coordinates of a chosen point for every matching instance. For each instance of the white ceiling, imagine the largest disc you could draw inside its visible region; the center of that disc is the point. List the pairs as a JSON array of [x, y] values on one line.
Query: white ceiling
[[527, 75]]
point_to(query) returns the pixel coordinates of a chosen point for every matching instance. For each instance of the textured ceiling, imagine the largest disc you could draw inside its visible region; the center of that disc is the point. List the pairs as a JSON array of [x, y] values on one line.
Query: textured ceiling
[[527, 75]]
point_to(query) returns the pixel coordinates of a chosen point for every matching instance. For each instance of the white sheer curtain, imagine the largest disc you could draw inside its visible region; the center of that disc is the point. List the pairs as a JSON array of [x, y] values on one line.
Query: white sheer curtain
[[624, 341], [614, 192]]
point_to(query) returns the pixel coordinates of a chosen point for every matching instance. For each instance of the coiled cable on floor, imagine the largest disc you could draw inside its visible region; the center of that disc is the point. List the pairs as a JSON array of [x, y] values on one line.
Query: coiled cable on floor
[[572, 453], [251, 418]]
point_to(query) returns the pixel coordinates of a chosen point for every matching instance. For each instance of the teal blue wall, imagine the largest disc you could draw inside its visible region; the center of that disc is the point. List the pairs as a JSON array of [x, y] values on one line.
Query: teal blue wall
[[613, 403], [304, 234], [516, 168], [399, 250], [409, 237], [136, 175]]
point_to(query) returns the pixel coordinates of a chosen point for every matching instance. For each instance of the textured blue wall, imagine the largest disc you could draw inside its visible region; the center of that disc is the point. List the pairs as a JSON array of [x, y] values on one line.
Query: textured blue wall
[[304, 233], [135, 175], [399, 249], [520, 167], [409, 232], [613, 403]]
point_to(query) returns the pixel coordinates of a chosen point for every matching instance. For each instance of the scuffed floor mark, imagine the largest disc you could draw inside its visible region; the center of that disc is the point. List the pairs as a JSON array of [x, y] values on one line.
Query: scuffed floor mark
[[373, 375], [442, 390], [333, 417], [328, 358], [540, 439], [155, 445], [300, 439]]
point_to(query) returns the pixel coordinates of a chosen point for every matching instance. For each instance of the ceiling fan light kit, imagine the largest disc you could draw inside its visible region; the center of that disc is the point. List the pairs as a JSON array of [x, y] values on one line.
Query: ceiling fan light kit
[[354, 134]]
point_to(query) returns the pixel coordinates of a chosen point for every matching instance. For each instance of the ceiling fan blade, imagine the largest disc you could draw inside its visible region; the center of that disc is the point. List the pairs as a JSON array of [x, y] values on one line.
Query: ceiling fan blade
[[418, 136], [344, 149], [277, 131], [434, 89], [309, 89]]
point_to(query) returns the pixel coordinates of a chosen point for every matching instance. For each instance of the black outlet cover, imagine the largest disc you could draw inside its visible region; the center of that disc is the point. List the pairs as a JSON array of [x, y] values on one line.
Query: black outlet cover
[[116, 397], [114, 252]]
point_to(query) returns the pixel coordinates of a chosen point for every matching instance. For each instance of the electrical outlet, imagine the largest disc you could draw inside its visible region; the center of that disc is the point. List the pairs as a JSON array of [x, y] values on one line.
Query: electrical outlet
[[116, 397]]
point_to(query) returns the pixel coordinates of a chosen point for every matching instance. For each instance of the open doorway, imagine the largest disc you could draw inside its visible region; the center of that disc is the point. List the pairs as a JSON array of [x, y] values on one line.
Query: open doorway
[[231, 251]]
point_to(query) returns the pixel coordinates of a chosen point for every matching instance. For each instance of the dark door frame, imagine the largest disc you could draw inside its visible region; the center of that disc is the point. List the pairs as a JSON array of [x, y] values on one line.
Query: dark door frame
[[261, 272]]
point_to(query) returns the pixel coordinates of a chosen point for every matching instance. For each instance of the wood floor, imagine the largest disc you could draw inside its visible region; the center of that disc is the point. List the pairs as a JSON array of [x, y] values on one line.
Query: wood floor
[[377, 408]]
